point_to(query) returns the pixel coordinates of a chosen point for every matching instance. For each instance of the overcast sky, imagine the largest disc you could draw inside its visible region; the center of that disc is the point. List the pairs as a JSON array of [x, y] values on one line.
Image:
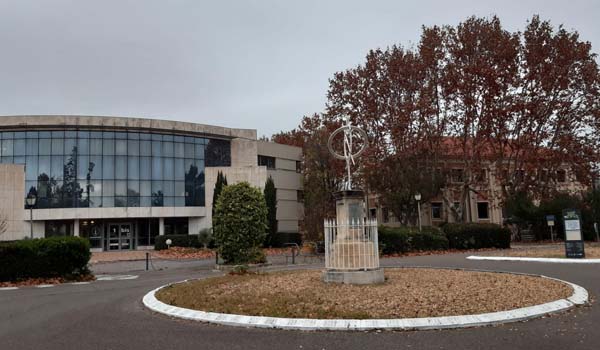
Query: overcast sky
[[248, 64]]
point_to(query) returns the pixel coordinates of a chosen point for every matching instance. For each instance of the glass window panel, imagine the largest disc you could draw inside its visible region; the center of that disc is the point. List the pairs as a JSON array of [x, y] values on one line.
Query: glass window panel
[[7, 148], [145, 136], [146, 148], [156, 148], [133, 168], [133, 136], [44, 166], [133, 148], [157, 168], [120, 188], [58, 134], [145, 168], [32, 147], [177, 138], [83, 134], [133, 188], [7, 135], [45, 134], [189, 150], [168, 169], [70, 146], [108, 135], [96, 134], [121, 135], [180, 201], [30, 187], [179, 152], [167, 149], [157, 194], [31, 169], [95, 188], [200, 141], [108, 147], [133, 201], [146, 188], [83, 146], [19, 147], [7, 160], [121, 167], [179, 189], [57, 167], [43, 189], [157, 137], [169, 188], [167, 137], [189, 139], [83, 201], [32, 134], [95, 167], [45, 147], [108, 167], [200, 151], [83, 163], [58, 147], [169, 202], [96, 147], [19, 160], [71, 134], [190, 171], [121, 147], [108, 188], [179, 169], [145, 201], [108, 202]]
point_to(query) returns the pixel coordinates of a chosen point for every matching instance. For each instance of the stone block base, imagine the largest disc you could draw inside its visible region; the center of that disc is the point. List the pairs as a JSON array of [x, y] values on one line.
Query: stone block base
[[353, 277]]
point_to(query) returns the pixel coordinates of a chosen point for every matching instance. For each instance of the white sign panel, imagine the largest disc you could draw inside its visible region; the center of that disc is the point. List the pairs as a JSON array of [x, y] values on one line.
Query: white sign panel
[[571, 225], [574, 235]]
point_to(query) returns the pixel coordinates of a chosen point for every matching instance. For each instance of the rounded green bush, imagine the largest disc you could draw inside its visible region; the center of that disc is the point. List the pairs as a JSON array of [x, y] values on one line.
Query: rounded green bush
[[240, 224]]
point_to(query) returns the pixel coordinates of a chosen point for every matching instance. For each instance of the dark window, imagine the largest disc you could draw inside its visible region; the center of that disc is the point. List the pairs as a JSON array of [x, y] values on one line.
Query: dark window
[[385, 213], [176, 226], [561, 175], [483, 210], [217, 153], [373, 213], [436, 210], [267, 161], [57, 228], [456, 175]]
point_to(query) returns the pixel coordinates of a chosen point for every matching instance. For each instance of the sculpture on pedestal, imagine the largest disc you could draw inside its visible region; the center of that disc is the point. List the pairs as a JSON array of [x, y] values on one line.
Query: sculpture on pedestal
[[351, 245]]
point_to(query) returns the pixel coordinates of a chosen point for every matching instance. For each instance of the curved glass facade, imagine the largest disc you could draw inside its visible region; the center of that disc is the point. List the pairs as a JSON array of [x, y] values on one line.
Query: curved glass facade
[[89, 168]]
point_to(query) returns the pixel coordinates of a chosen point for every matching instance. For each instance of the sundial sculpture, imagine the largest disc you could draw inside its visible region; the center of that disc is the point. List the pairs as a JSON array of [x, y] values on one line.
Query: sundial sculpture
[[351, 245]]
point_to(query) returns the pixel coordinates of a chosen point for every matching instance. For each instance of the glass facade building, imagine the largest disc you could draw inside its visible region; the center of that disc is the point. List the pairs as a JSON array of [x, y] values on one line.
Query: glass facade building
[[102, 169]]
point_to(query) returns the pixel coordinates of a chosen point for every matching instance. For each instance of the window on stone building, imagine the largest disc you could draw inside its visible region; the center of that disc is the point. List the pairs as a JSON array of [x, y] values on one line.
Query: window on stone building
[[267, 161], [436, 210], [483, 210]]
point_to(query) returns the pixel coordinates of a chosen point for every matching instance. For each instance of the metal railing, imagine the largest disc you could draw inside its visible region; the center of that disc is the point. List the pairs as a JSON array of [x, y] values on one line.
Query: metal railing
[[351, 246]]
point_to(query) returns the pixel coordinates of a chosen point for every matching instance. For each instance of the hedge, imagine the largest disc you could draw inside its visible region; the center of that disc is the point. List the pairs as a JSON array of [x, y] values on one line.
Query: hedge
[[475, 236], [281, 238], [190, 241], [46, 257], [405, 239]]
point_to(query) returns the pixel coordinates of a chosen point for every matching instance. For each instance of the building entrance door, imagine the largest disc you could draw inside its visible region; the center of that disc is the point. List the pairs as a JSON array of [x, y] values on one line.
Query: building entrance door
[[120, 237]]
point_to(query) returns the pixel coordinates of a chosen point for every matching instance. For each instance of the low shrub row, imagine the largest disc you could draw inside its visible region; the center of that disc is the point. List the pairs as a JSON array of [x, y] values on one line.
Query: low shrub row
[[476, 236], [46, 257], [394, 240], [188, 241]]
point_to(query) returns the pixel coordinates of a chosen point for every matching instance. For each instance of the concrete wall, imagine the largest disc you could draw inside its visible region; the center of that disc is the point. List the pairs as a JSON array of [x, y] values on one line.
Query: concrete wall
[[12, 201]]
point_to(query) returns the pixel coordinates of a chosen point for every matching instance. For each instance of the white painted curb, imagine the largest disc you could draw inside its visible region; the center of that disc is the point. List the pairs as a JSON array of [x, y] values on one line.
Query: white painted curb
[[579, 297], [546, 260]]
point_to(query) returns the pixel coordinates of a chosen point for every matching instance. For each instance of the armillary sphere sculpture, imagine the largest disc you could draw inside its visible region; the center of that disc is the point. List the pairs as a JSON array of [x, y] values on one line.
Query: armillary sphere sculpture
[[349, 153]]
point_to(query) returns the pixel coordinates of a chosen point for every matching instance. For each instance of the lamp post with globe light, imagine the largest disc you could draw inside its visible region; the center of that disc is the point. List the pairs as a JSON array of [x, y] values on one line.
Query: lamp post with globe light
[[418, 199], [31, 200]]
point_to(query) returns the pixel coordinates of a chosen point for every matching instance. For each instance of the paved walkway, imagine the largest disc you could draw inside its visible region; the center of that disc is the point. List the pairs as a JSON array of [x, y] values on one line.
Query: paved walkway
[[109, 315]]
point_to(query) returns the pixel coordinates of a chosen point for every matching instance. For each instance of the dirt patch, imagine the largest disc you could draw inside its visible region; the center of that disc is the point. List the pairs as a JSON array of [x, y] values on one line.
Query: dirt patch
[[39, 281], [592, 251], [406, 293]]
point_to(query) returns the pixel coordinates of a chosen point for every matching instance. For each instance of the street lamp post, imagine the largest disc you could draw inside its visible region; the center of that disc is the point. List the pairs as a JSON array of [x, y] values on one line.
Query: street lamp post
[[418, 199], [31, 199]]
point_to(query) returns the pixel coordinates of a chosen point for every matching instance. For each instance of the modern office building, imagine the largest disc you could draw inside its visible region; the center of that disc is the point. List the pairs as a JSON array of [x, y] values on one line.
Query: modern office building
[[120, 182]]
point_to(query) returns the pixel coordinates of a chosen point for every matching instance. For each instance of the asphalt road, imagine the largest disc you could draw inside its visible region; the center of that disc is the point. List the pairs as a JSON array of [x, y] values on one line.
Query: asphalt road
[[110, 315]]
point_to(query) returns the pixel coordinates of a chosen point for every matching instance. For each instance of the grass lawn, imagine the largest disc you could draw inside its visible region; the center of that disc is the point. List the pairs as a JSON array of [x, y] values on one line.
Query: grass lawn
[[407, 292]]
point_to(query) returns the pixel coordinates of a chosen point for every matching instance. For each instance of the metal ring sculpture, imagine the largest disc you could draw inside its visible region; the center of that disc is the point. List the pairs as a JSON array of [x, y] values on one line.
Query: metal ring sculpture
[[348, 155]]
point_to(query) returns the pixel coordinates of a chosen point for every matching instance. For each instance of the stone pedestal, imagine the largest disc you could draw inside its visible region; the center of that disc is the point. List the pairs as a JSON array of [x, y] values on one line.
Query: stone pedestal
[[352, 252]]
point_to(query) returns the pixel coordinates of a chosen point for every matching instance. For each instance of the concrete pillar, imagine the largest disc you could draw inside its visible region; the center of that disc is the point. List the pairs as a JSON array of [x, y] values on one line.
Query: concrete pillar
[[76, 228], [161, 226]]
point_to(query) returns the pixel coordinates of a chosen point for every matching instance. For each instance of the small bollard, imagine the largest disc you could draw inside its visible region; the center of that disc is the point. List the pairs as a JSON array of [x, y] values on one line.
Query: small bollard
[[293, 255], [147, 260]]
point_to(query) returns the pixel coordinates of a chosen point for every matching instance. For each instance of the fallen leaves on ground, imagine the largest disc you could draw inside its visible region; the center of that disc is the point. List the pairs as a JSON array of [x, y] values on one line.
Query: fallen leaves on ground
[[592, 251], [407, 292], [39, 281]]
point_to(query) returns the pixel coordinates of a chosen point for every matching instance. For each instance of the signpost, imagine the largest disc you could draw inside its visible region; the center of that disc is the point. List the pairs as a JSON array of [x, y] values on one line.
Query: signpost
[[573, 238], [550, 220]]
